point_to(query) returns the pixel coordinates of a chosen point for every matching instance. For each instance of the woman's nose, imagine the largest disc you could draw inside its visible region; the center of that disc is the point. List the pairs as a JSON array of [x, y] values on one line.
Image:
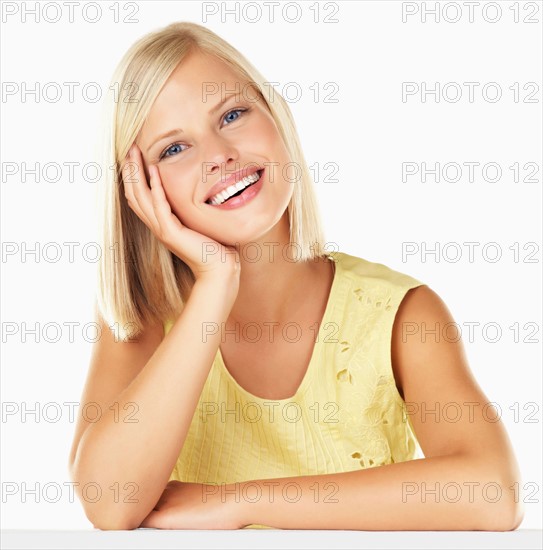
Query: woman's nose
[[219, 151]]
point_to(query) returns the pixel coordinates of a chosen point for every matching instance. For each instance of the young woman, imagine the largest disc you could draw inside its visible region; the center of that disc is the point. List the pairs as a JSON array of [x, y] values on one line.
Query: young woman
[[257, 379]]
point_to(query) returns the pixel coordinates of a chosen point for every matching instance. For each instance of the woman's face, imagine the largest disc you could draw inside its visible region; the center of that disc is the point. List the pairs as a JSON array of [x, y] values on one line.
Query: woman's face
[[209, 140]]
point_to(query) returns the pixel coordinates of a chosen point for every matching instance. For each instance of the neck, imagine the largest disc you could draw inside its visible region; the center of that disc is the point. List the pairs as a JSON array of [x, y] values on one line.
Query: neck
[[277, 285]]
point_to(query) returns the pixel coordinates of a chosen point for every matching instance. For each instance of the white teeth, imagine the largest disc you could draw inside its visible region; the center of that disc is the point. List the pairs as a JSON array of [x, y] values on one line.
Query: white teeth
[[221, 197]]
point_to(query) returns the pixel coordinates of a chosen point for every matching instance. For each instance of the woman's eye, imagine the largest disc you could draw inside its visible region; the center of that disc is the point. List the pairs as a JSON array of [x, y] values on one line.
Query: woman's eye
[[175, 148], [172, 150], [233, 112]]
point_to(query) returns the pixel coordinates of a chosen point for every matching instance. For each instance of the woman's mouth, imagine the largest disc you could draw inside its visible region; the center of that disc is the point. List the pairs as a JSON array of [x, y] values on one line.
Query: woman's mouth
[[239, 193]]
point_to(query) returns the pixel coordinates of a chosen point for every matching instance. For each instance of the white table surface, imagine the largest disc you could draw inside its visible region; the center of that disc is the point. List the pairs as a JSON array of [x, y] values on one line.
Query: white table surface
[[284, 539]]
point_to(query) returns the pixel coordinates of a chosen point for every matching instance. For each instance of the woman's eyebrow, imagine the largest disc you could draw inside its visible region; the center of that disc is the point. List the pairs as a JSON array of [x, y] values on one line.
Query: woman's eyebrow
[[168, 134], [177, 131]]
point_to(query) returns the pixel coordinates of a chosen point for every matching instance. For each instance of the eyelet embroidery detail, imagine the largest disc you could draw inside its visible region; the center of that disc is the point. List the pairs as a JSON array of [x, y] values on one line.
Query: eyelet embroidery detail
[[369, 462], [344, 376], [346, 346], [371, 416], [372, 428], [373, 298]]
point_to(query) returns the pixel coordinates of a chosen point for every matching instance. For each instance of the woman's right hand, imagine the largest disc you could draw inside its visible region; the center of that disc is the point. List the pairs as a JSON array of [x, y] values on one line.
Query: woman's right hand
[[207, 258]]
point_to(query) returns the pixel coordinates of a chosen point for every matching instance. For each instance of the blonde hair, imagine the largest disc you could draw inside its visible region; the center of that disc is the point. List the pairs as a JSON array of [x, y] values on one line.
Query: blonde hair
[[140, 280]]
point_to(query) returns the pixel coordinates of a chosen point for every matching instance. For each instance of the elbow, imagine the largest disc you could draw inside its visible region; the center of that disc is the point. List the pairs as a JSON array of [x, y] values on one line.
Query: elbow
[[507, 513], [513, 499], [510, 517], [106, 516], [108, 519], [517, 517], [505, 519], [501, 507], [110, 523]]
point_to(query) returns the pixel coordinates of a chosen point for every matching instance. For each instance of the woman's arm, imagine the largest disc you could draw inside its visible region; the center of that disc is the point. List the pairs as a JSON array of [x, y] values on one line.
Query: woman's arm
[[131, 462], [469, 479]]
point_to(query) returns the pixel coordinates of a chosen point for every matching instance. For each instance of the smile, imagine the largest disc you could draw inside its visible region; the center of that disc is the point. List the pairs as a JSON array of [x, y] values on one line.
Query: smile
[[239, 193]]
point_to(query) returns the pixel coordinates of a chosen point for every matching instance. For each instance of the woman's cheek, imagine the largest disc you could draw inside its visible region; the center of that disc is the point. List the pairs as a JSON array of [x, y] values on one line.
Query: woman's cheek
[[173, 191], [167, 175], [180, 206]]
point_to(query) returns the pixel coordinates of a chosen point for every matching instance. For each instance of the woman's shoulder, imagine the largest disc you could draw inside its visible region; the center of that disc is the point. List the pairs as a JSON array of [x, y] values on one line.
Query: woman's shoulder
[[369, 273]]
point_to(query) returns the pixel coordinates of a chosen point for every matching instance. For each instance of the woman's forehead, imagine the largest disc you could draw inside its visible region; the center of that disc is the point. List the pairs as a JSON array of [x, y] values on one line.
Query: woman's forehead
[[198, 86], [207, 73]]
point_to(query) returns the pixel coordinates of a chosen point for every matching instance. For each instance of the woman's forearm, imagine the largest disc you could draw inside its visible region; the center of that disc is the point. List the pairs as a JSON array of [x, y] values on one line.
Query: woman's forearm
[[131, 462], [439, 493]]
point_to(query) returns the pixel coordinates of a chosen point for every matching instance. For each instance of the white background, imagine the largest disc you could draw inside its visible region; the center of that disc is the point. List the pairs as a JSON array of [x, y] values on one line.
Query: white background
[[369, 212]]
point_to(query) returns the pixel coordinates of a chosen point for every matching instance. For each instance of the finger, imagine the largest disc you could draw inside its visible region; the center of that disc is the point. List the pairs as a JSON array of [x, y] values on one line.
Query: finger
[[141, 190], [163, 210], [129, 170]]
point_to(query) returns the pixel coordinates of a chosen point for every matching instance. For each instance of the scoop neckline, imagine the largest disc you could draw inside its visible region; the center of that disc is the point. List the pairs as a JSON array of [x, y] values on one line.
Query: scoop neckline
[[335, 257]]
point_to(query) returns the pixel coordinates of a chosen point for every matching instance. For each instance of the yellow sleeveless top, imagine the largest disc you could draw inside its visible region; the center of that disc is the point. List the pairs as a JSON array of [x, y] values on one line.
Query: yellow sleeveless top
[[346, 415]]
